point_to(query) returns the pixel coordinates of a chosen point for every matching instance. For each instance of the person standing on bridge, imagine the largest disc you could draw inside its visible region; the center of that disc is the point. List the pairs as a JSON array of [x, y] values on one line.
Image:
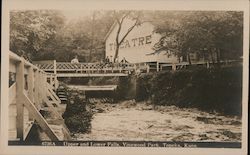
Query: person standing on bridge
[[75, 60], [124, 60], [124, 63]]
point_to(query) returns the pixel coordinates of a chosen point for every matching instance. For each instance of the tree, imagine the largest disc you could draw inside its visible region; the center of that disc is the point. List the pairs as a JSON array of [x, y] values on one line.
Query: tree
[[29, 30], [200, 32], [120, 17], [72, 37]]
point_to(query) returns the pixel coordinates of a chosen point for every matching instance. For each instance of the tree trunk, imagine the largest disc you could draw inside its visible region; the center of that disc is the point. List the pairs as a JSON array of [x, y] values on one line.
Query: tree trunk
[[212, 57], [218, 57], [189, 60], [116, 52]]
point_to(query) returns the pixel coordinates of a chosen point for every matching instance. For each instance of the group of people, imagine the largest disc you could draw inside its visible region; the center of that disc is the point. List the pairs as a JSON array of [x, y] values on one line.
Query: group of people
[[106, 61], [111, 63]]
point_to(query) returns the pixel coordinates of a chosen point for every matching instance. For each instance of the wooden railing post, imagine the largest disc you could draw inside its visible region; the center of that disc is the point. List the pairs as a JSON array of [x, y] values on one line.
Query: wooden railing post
[[31, 86], [51, 80], [40, 88], [157, 66], [44, 86], [56, 82], [174, 67], [148, 68], [19, 100], [81, 68], [36, 94], [54, 66]]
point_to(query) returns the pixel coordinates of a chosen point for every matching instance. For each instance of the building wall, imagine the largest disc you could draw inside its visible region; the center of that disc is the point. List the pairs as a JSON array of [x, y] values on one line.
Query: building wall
[[138, 45]]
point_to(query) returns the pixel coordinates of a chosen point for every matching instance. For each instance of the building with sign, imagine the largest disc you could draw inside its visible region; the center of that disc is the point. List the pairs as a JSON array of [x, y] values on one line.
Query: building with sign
[[138, 45]]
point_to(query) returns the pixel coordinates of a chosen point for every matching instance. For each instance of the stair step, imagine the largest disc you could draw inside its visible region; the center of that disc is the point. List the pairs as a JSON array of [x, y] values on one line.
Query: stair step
[[63, 99], [61, 93], [62, 96]]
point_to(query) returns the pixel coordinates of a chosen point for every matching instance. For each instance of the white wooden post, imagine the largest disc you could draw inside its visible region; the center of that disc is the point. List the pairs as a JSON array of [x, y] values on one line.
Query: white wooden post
[[40, 90], [19, 102], [54, 66], [55, 72], [157, 66], [81, 68], [44, 86], [38, 101], [148, 68], [31, 86], [51, 80], [174, 67], [56, 82]]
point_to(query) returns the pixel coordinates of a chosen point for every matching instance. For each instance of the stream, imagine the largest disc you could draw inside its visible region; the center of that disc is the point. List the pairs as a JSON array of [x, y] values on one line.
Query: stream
[[129, 120]]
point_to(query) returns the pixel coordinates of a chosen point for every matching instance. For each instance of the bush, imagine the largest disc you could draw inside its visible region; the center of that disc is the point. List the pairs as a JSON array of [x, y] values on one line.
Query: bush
[[76, 117], [217, 89], [79, 122]]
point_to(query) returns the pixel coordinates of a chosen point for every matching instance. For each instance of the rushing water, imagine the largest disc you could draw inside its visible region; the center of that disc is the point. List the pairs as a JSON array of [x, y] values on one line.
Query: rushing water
[[129, 120]]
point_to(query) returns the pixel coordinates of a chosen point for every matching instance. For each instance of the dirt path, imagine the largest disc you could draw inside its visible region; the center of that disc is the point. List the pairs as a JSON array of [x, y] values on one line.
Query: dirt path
[[131, 121]]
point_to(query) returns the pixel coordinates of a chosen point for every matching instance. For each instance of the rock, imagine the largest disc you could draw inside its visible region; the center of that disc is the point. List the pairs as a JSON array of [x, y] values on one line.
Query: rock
[[206, 120], [150, 126], [203, 137], [99, 110], [235, 122], [232, 135], [147, 108], [168, 121], [183, 127]]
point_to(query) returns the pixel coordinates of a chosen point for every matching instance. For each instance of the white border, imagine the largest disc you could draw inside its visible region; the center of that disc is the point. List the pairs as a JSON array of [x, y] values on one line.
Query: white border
[[240, 5]]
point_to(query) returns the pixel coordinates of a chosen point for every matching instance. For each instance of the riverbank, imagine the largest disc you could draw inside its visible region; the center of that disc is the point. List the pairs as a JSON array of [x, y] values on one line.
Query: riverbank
[[128, 120]]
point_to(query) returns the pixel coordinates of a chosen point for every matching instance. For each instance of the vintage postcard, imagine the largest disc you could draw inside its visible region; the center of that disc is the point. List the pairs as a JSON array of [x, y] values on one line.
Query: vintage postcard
[[124, 77]]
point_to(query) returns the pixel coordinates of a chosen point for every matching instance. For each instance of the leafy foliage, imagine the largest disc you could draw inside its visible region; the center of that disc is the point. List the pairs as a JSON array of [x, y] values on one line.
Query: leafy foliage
[[30, 30], [46, 34], [76, 117], [207, 89], [202, 32]]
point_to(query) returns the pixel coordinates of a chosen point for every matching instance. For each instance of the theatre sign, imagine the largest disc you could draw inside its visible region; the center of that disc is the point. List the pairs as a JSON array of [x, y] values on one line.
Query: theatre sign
[[140, 41], [138, 45]]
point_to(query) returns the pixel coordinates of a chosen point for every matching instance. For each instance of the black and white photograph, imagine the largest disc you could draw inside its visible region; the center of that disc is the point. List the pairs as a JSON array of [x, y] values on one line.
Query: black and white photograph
[[125, 77]]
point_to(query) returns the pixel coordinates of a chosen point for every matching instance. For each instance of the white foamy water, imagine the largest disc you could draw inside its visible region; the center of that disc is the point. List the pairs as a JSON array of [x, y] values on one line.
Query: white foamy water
[[137, 121]]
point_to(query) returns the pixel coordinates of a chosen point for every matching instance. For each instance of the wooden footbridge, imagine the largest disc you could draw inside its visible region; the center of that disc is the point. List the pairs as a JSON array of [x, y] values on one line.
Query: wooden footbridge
[[32, 92], [66, 69]]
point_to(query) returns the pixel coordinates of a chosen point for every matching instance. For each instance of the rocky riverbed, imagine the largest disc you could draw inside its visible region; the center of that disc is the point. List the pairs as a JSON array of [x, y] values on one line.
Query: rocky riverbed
[[129, 120]]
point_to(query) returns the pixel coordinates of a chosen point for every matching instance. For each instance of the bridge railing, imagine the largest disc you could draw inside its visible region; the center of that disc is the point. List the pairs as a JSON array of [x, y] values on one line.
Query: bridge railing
[[28, 87], [62, 67]]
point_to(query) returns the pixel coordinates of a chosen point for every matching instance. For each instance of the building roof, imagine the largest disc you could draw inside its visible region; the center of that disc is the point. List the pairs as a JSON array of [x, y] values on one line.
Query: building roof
[[110, 30], [112, 27]]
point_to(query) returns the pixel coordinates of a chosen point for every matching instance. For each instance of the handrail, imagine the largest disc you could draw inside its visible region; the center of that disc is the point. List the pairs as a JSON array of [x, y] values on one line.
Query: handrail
[[15, 57], [84, 68], [30, 92]]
